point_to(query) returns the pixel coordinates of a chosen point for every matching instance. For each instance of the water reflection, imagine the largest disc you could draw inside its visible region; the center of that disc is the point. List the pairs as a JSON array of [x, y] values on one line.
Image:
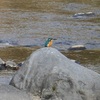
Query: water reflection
[[30, 22]]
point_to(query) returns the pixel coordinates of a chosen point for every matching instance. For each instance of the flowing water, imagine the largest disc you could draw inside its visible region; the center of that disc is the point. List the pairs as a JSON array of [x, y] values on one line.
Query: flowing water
[[31, 22]]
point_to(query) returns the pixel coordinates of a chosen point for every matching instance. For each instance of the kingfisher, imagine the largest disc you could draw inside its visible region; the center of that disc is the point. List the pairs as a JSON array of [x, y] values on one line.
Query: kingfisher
[[49, 42]]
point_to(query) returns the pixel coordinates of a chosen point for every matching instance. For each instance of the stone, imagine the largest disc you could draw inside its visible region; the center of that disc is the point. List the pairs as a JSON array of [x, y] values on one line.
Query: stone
[[75, 61], [52, 76], [77, 47], [11, 65], [20, 64], [2, 64], [1, 61], [5, 45], [5, 78], [8, 92], [82, 15]]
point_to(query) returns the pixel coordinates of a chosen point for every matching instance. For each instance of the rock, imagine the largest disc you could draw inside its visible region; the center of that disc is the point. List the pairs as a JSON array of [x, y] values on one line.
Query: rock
[[5, 45], [20, 64], [2, 64], [52, 76], [47, 94], [11, 65], [89, 14], [5, 78], [1, 61], [77, 47], [82, 15], [8, 92], [8, 65], [75, 61], [78, 14]]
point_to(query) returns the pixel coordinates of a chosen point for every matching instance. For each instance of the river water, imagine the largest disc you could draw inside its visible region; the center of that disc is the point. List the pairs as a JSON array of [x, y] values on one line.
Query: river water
[[31, 22]]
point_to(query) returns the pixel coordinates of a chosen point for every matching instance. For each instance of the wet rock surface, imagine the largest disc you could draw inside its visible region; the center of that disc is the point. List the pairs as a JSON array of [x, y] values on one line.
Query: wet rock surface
[[52, 76]]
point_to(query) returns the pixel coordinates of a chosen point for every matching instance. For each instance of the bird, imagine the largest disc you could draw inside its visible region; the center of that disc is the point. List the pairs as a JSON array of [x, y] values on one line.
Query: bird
[[49, 42]]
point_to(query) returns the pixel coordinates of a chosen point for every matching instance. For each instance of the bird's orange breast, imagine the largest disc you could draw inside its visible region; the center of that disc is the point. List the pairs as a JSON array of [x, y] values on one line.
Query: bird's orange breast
[[50, 43]]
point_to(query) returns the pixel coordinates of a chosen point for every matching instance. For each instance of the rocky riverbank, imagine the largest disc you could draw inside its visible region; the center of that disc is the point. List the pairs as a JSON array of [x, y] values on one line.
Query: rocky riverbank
[[87, 58]]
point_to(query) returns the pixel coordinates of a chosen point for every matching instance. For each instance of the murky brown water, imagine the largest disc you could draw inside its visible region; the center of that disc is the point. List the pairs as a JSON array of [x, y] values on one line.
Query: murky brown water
[[31, 22]]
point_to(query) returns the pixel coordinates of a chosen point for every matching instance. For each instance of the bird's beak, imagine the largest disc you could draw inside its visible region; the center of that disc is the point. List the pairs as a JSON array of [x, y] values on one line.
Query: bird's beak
[[54, 39]]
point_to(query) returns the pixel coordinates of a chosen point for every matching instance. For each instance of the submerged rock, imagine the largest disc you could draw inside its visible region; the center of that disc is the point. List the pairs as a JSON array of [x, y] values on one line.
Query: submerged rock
[[52, 76]]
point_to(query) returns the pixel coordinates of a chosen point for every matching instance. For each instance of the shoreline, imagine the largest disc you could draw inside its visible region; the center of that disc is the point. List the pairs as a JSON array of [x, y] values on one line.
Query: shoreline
[[86, 58], [20, 53]]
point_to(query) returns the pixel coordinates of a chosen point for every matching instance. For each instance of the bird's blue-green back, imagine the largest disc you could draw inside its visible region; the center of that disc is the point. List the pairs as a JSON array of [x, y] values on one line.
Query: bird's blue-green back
[[47, 41]]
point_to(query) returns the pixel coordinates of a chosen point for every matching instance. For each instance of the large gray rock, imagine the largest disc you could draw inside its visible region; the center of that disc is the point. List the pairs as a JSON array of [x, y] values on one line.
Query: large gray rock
[[8, 92], [53, 76]]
